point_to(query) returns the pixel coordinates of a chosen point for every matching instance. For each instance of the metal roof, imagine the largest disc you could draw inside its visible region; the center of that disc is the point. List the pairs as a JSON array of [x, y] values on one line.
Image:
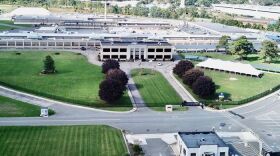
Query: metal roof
[[126, 43]]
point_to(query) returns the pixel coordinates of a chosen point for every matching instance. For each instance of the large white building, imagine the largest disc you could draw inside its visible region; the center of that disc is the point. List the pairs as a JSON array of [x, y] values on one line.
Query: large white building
[[201, 144], [256, 11], [136, 50]]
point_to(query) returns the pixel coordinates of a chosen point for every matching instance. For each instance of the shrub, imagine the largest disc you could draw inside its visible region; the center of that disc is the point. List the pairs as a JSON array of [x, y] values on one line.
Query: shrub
[[182, 67], [204, 87], [118, 75], [110, 64], [137, 149], [57, 53], [191, 75], [110, 90], [18, 53]]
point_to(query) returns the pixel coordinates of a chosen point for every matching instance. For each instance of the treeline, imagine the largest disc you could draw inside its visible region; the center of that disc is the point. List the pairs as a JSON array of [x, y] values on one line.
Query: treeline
[[233, 22], [171, 12]]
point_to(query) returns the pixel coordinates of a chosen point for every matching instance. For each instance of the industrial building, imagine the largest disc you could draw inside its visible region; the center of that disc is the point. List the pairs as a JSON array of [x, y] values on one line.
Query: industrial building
[[136, 50]]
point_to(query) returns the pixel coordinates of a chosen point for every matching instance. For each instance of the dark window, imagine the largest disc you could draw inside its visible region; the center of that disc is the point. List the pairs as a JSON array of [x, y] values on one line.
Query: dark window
[[115, 50], [151, 50], [167, 56], [106, 56], [123, 50], [184, 151], [151, 56], [160, 50], [159, 56], [223, 154], [167, 50], [193, 154], [123, 56], [115, 56], [106, 49]]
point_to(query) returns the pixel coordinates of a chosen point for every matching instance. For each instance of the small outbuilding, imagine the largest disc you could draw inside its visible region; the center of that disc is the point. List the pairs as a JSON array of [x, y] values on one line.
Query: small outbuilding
[[230, 67]]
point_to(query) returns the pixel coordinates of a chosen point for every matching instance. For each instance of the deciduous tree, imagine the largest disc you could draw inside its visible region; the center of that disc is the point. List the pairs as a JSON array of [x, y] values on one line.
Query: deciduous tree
[[204, 87], [110, 90], [182, 67], [110, 64], [269, 51], [191, 76]]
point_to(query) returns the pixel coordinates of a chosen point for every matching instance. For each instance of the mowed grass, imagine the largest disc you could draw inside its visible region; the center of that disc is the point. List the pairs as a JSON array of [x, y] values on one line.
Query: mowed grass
[[241, 88], [76, 81], [154, 88], [9, 25], [61, 141], [244, 86], [14, 108]]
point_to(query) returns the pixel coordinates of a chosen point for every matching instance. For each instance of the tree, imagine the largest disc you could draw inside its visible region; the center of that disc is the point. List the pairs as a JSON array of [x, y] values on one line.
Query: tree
[[204, 87], [118, 75], [223, 42], [49, 66], [182, 67], [110, 90], [191, 76], [110, 64], [269, 51], [241, 47]]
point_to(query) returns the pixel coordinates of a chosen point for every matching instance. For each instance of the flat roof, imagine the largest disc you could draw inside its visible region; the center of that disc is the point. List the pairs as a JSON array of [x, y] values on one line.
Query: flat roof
[[197, 139]]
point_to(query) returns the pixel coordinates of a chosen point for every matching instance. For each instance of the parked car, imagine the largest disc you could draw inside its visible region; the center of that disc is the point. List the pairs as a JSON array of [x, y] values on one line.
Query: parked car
[[83, 48]]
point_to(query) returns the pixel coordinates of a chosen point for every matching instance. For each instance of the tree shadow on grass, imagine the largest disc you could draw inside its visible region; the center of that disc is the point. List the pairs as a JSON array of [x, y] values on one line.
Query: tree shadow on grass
[[252, 58]]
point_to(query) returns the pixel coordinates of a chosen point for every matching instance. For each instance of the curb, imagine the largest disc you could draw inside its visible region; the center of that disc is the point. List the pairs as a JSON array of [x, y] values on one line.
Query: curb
[[182, 87], [63, 103]]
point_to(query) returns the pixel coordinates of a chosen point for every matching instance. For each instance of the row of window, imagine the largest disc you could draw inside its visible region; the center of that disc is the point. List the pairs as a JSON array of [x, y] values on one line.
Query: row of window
[[167, 50], [149, 56]]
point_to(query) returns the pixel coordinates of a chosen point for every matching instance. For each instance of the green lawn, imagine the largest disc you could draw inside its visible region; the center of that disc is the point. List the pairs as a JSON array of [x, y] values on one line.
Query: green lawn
[[242, 87], [9, 25], [154, 88], [77, 81], [14, 108], [61, 141]]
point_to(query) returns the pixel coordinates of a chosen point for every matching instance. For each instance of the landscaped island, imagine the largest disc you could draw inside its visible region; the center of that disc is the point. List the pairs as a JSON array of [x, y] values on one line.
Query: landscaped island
[[155, 89], [61, 141], [237, 89], [14, 108], [75, 81]]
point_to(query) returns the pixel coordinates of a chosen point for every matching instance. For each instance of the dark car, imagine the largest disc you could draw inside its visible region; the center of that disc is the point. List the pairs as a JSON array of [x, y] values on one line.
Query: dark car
[[83, 48]]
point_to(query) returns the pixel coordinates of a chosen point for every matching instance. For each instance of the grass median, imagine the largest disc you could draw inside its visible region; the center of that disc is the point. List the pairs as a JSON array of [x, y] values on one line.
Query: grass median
[[61, 140], [14, 108], [76, 81], [155, 89]]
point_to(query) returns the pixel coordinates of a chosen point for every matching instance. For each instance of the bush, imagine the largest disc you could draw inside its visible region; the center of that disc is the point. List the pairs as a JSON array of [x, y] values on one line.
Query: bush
[[137, 149], [118, 75], [204, 87], [57, 53], [191, 76], [182, 67], [18, 53], [110, 64], [110, 90]]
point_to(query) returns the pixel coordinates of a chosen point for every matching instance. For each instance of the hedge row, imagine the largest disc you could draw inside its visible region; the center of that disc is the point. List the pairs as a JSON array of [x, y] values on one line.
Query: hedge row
[[252, 98]]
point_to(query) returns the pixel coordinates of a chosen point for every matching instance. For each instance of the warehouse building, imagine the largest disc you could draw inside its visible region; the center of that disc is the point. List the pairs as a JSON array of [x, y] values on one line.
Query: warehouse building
[[136, 50]]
